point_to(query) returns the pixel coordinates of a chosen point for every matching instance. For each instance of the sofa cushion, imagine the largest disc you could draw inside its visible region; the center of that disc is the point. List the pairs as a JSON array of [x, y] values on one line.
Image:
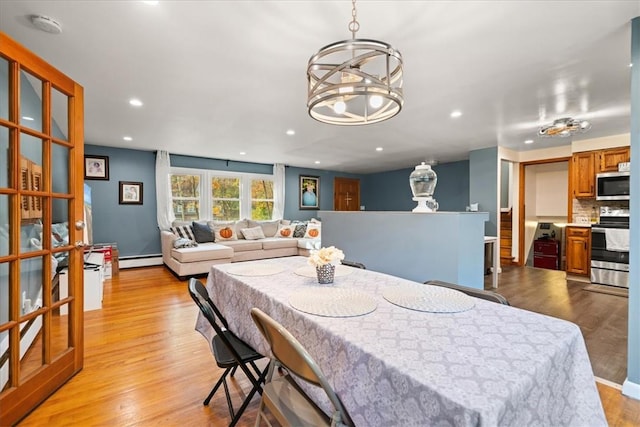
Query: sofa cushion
[[269, 228], [202, 232], [226, 232], [313, 231], [203, 252], [285, 231], [184, 231], [278, 243], [301, 228], [244, 245], [252, 233]]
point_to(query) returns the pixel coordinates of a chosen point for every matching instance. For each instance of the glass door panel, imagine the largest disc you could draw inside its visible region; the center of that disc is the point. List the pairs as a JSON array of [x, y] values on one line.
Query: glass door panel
[[59, 115], [4, 88], [5, 178], [60, 168], [31, 347], [4, 225], [30, 101]]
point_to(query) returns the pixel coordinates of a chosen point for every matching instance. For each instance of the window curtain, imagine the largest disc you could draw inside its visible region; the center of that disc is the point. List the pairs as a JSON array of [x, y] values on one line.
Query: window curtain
[[163, 191], [278, 191]]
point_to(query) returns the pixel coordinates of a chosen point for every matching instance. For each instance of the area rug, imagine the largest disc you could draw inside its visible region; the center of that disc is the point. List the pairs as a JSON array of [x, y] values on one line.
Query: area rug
[[611, 290]]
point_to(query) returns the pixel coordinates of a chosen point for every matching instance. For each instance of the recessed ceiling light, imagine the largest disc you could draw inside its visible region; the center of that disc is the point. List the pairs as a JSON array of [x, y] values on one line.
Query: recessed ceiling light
[[456, 113], [127, 138], [291, 132], [135, 102], [379, 148], [242, 153], [529, 141], [317, 162], [28, 118], [631, 65]]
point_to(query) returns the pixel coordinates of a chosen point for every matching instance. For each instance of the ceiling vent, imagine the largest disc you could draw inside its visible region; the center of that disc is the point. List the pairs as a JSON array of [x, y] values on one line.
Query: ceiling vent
[[46, 24]]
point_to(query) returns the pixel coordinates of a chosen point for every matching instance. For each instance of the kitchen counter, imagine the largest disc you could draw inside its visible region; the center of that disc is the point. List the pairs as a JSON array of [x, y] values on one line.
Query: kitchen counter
[[576, 224]]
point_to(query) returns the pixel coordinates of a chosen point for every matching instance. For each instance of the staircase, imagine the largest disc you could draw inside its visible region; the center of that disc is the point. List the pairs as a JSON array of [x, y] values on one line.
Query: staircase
[[506, 238]]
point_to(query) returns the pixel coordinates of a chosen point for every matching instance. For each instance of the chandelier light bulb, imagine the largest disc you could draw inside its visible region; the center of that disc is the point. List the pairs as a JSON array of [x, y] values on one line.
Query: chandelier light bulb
[[375, 101], [340, 107]]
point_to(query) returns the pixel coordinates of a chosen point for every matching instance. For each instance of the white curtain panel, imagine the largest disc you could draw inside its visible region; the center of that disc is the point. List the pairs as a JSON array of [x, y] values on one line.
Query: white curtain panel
[[278, 191], [163, 191]]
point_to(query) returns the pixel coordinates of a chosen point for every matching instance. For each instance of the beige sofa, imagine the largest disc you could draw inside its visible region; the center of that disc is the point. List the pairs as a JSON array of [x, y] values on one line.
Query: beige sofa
[[190, 261]]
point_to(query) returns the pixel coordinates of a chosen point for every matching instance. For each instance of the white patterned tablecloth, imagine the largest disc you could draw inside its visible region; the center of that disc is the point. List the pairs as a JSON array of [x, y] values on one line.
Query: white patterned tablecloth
[[491, 365]]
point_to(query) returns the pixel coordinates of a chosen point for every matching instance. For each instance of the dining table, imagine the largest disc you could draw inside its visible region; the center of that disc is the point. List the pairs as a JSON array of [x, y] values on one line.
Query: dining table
[[402, 353]]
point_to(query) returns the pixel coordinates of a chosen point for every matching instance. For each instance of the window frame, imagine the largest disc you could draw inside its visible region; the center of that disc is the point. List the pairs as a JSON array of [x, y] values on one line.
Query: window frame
[[206, 196]]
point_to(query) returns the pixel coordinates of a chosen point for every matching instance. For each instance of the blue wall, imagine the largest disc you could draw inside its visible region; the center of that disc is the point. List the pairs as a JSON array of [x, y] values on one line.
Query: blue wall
[[483, 185], [390, 191], [133, 227]]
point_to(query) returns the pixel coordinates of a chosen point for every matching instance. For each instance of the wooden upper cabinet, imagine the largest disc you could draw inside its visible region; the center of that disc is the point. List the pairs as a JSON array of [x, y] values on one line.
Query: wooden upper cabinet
[[583, 174], [608, 159]]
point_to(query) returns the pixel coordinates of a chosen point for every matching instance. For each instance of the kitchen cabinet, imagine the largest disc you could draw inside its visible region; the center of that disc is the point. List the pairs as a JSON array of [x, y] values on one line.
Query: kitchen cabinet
[[578, 250], [608, 159], [583, 175]]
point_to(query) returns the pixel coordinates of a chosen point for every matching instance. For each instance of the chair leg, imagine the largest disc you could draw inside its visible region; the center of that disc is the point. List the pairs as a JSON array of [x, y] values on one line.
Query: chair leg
[[256, 388], [233, 370], [222, 380], [229, 404]]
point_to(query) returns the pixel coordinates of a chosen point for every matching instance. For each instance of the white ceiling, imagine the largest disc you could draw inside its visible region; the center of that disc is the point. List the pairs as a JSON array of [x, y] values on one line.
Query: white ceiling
[[221, 77]]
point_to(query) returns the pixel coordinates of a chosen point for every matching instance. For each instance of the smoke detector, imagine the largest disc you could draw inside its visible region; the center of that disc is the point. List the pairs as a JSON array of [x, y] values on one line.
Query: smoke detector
[[46, 24]]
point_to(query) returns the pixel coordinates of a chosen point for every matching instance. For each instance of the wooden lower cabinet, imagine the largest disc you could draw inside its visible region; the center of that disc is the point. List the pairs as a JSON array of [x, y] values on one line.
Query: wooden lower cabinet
[[578, 250]]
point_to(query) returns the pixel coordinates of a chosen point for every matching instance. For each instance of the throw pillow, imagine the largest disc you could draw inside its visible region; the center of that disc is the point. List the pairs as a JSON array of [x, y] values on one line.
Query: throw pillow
[[252, 233], [184, 231], [300, 229], [285, 231], [313, 231], [269, 228], [202, 232], [225, 232], [181, 242]]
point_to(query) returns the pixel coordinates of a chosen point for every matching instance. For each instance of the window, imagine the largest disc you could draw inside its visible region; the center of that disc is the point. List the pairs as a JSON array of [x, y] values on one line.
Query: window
[[224, 196]]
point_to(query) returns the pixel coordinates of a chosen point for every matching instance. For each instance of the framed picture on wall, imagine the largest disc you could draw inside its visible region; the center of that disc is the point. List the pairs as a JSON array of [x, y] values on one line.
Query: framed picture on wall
[[96, 167], [309, 192], [130, 193]]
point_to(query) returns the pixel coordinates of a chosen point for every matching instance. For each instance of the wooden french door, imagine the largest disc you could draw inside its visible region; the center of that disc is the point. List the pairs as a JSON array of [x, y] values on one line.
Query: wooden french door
[[346, 194], [41, 213]]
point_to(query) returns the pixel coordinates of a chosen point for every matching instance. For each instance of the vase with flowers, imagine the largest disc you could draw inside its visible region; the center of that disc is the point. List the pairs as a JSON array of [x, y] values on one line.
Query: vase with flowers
[[325, 261]]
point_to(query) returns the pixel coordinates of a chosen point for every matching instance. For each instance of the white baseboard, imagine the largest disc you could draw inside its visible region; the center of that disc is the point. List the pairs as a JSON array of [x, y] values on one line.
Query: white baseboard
[[140, 262], [631, 389], [608, 383]]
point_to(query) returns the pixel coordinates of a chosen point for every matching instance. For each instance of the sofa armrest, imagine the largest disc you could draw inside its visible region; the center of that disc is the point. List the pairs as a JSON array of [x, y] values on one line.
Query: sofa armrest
[[166, 239]]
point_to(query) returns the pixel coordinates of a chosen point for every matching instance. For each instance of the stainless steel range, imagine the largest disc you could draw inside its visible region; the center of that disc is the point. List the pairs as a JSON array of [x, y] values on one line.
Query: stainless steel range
[[610, 248]]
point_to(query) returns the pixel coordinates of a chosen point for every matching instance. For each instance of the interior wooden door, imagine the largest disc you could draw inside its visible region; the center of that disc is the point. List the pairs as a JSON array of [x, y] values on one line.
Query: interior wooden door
[[41, 194], [346, 194]]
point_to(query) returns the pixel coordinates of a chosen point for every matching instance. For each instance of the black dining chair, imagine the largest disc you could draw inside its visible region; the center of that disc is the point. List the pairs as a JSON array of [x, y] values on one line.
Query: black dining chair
[[354, 264], [229, 351], [478, 293]]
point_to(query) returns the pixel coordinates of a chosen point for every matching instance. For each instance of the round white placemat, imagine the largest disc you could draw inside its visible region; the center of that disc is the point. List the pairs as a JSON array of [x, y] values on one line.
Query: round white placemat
[[333, 302], [242, 269], [310, 271], [434, 299]]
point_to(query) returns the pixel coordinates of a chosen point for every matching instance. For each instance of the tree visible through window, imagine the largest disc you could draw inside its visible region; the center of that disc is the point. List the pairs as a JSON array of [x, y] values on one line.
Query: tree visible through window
[[185, 194], [225, 196], [261, 199]]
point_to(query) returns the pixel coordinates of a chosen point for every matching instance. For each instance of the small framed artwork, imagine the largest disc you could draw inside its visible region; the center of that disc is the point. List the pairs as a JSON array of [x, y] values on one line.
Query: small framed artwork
[[96, 167], [130, 193], [309, 192]]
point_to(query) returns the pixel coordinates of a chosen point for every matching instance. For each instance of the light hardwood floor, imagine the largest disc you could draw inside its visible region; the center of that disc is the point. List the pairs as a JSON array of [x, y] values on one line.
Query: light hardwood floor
[[145, 365]]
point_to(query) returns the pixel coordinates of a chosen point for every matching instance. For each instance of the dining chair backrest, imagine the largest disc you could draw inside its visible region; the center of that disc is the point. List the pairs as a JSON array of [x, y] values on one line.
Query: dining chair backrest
[[354, 264], [201, 290], [478, 293], [287, 350]]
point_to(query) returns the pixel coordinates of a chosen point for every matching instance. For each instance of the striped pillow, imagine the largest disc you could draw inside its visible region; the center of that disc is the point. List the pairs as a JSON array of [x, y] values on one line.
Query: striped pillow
[[184, 231]]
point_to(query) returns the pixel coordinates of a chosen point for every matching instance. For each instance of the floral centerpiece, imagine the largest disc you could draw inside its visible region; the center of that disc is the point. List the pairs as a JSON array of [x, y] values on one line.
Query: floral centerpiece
[[325, 261]]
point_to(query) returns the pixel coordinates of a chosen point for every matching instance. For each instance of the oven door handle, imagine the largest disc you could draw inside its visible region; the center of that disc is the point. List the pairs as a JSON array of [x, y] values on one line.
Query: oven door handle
[[597, 229]]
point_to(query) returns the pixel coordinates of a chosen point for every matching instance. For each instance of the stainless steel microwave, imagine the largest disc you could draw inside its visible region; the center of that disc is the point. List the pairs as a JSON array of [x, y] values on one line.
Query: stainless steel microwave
[[612, 186]]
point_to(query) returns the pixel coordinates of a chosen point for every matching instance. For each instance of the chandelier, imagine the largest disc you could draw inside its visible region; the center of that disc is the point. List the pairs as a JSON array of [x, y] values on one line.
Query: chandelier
[[564, 127], [355, 82]]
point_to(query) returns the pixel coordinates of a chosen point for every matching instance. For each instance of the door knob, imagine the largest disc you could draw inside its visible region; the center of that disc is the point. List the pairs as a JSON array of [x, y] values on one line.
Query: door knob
[[80, 244], [80, 225]]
